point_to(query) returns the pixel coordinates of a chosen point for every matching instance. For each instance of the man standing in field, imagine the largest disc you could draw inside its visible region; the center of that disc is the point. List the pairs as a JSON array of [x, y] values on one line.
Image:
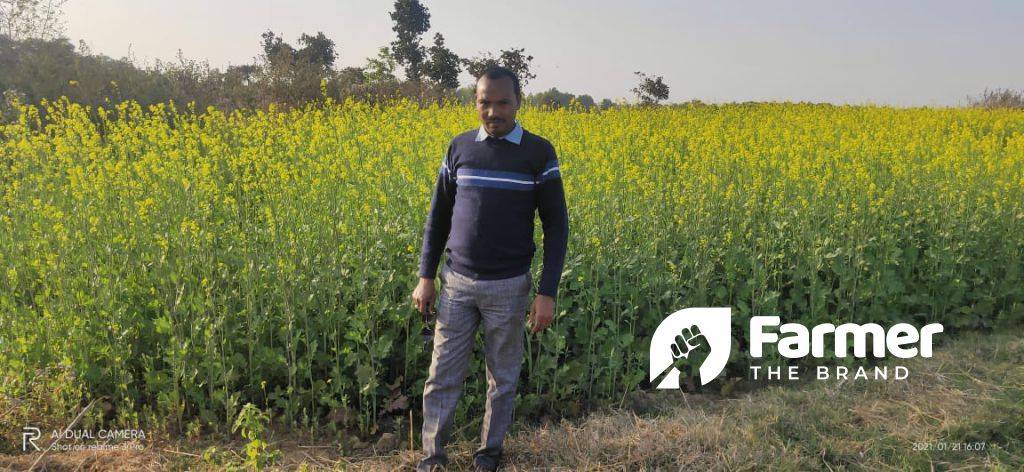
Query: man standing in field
[[489, 186]]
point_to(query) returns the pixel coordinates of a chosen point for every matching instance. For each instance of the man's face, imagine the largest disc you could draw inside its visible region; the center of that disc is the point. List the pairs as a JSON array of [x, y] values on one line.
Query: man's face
[[496, 104]]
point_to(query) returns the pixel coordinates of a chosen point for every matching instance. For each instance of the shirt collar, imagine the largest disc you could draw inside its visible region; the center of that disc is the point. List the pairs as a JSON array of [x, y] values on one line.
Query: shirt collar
[[515, 136]]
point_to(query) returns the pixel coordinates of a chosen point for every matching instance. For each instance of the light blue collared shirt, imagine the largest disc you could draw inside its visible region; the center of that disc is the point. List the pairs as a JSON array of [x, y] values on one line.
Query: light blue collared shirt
[[515, 136]]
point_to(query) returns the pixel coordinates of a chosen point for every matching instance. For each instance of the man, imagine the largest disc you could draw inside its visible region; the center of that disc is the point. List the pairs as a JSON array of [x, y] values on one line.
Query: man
[[489, 186]]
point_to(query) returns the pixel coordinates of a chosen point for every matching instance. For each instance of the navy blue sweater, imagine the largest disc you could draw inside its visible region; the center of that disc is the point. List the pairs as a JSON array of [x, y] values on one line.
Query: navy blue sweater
[[483, 206]]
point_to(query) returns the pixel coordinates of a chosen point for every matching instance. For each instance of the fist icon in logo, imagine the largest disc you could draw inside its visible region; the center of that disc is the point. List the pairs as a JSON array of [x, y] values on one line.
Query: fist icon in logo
[[686, 342]]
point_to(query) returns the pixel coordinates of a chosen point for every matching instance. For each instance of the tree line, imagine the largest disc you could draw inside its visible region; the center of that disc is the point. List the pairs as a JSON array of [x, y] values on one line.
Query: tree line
[[37, 62]]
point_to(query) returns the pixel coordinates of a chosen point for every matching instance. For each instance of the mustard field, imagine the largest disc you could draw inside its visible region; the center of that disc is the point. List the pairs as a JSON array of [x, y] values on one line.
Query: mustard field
[[176, 265]]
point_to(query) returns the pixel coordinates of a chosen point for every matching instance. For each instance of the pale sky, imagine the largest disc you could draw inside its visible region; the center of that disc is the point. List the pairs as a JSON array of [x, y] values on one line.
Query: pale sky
[[903, 53]]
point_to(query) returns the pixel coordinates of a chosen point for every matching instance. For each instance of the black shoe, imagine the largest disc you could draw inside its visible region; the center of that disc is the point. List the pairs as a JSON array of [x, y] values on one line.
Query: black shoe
[[480, 464]]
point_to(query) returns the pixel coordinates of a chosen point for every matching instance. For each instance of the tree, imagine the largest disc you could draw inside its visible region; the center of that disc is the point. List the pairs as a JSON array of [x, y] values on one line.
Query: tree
[[555, 98], [477, 65], [274, 45], [513, 59], [246, 73], [317, 50], [519, 63], [351, 76], [292, 76], [411, 20], [24, 19], [651, 90], [444, 65], [381, 68]]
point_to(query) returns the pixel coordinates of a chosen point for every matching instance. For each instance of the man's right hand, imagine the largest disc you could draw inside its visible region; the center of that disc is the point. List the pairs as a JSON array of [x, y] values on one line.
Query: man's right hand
[[423, 296]]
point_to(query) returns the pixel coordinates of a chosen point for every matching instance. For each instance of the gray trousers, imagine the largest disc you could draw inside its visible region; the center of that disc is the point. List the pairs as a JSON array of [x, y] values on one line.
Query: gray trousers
[[463, 303]]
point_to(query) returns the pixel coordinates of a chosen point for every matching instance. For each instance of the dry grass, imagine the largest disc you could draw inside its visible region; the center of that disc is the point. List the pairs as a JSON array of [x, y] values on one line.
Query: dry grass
[[971, 391]]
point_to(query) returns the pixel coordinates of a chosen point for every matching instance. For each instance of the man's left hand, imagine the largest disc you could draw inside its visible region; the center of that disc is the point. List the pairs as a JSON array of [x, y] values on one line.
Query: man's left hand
[[541, 312]]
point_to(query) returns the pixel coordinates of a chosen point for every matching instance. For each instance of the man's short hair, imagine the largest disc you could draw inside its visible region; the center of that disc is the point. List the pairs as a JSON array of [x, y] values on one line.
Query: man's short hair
[[497, 72]]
